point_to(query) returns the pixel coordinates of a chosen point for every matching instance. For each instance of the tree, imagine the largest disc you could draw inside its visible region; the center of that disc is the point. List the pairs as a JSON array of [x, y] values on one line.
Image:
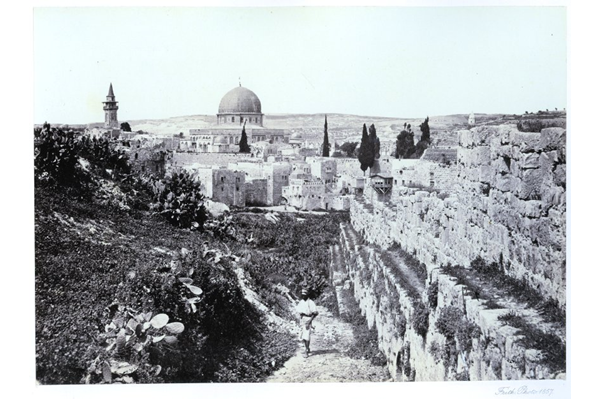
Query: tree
[[405, 146], [365, 152], [125, 127], [349, 148], [425, 141], [244, 147], [374, 140], [326, 144], [420, 148], [425, 133]]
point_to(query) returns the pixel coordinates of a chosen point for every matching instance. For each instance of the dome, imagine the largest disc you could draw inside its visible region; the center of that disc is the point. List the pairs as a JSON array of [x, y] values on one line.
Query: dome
[[239, 100]]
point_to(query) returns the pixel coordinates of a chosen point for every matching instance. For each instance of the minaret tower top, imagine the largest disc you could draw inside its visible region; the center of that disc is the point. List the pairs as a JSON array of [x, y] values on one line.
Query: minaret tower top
[[110, 110]]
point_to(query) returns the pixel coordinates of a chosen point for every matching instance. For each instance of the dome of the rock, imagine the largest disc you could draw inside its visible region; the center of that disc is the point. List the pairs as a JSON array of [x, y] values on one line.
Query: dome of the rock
[[240, 100]]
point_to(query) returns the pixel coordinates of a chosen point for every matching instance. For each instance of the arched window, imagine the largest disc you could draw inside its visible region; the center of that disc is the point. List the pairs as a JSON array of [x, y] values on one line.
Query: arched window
[[232, 119]]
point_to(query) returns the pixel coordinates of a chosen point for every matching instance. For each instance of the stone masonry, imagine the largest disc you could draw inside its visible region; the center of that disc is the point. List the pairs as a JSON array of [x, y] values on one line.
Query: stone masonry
[[511, 207]]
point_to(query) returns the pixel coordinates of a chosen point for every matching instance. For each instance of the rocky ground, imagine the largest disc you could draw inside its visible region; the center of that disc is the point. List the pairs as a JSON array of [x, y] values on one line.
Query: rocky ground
[[329, 361]]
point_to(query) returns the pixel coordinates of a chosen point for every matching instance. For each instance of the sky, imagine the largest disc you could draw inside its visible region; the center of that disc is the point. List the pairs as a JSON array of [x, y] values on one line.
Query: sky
[[375, 61]]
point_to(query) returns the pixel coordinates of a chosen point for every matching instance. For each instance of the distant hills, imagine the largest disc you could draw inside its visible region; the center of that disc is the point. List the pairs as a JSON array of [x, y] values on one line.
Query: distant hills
[[342, 127]]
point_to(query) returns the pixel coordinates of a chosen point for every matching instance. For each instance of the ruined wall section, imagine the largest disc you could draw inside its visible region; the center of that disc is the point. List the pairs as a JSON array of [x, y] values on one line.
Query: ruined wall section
[[508, 206], [494, 351]]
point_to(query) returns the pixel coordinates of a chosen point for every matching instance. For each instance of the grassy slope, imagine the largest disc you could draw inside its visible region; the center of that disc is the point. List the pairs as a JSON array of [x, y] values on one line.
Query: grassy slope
[[88, 256]]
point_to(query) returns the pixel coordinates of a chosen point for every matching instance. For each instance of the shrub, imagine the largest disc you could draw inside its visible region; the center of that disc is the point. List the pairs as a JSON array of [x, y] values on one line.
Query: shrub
[[407, 367], [449, 321], [432, 295], [450, 356], [401, 324], [56, 156], [68, 159], [453, 324], [519, 289], [179, 198], [420, 320], [537, 124], [437, 351], [552, 347]]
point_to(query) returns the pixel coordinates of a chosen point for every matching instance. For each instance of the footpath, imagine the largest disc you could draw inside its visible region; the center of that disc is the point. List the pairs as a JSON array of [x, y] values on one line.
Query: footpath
[[329, 360]]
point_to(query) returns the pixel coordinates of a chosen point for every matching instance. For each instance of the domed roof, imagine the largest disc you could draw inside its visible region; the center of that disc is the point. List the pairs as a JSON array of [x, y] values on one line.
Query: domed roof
[[240, 100]]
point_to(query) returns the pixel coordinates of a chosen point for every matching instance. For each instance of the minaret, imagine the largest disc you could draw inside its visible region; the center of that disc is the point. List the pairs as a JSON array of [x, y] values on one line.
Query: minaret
[[110, 110]]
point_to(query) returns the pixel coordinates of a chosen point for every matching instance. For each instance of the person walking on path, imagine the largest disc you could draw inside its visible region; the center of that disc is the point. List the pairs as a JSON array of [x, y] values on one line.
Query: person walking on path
[[308, 311]]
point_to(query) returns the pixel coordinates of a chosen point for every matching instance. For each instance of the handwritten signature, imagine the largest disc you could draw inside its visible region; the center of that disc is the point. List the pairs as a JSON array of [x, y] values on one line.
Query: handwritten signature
[[523, 390]]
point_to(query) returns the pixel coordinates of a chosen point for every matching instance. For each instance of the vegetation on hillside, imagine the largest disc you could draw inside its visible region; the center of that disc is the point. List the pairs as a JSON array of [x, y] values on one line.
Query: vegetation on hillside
[[124, 294]]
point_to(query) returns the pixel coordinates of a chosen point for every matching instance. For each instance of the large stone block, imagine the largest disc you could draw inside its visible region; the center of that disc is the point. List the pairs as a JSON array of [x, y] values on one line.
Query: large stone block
[[507, 183], [557, 218], [501, 151], [527, 141], [553, 139], [486, 174], [560, 175], [531, 184], [466, 138], [483, 155], [533, 208], [554, 196], [501, 165], [530, 161]]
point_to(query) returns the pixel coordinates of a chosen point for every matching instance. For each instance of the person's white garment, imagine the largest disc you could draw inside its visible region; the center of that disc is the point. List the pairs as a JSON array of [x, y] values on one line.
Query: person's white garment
[[305, 307]]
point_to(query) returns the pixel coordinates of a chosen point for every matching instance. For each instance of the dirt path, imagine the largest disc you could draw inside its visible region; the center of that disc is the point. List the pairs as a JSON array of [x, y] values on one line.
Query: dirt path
[[328, 361]]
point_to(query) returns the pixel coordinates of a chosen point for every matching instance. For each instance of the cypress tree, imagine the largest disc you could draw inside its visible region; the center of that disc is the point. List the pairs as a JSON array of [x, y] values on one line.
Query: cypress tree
[[326, 144], [365, 152], [425, 133], [423, 144], [244, 147], [374, 140]]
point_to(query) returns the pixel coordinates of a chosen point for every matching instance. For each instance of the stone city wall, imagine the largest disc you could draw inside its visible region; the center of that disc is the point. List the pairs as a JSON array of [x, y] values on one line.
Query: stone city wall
[[493, 351], [509, 207]]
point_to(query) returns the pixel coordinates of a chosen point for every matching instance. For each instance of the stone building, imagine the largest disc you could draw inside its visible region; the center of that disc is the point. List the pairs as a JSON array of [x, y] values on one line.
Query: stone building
[[256, 192], [323, 168], [471, 119], [278, 177], [300, 170], [146, 154], [228, 187], [220, 184], [110, 110], [240, 106], [305, 194]]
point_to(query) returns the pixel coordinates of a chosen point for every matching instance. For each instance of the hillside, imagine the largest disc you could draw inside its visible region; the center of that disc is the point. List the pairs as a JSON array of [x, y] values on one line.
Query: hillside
[[341, 127], [125, 294]]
